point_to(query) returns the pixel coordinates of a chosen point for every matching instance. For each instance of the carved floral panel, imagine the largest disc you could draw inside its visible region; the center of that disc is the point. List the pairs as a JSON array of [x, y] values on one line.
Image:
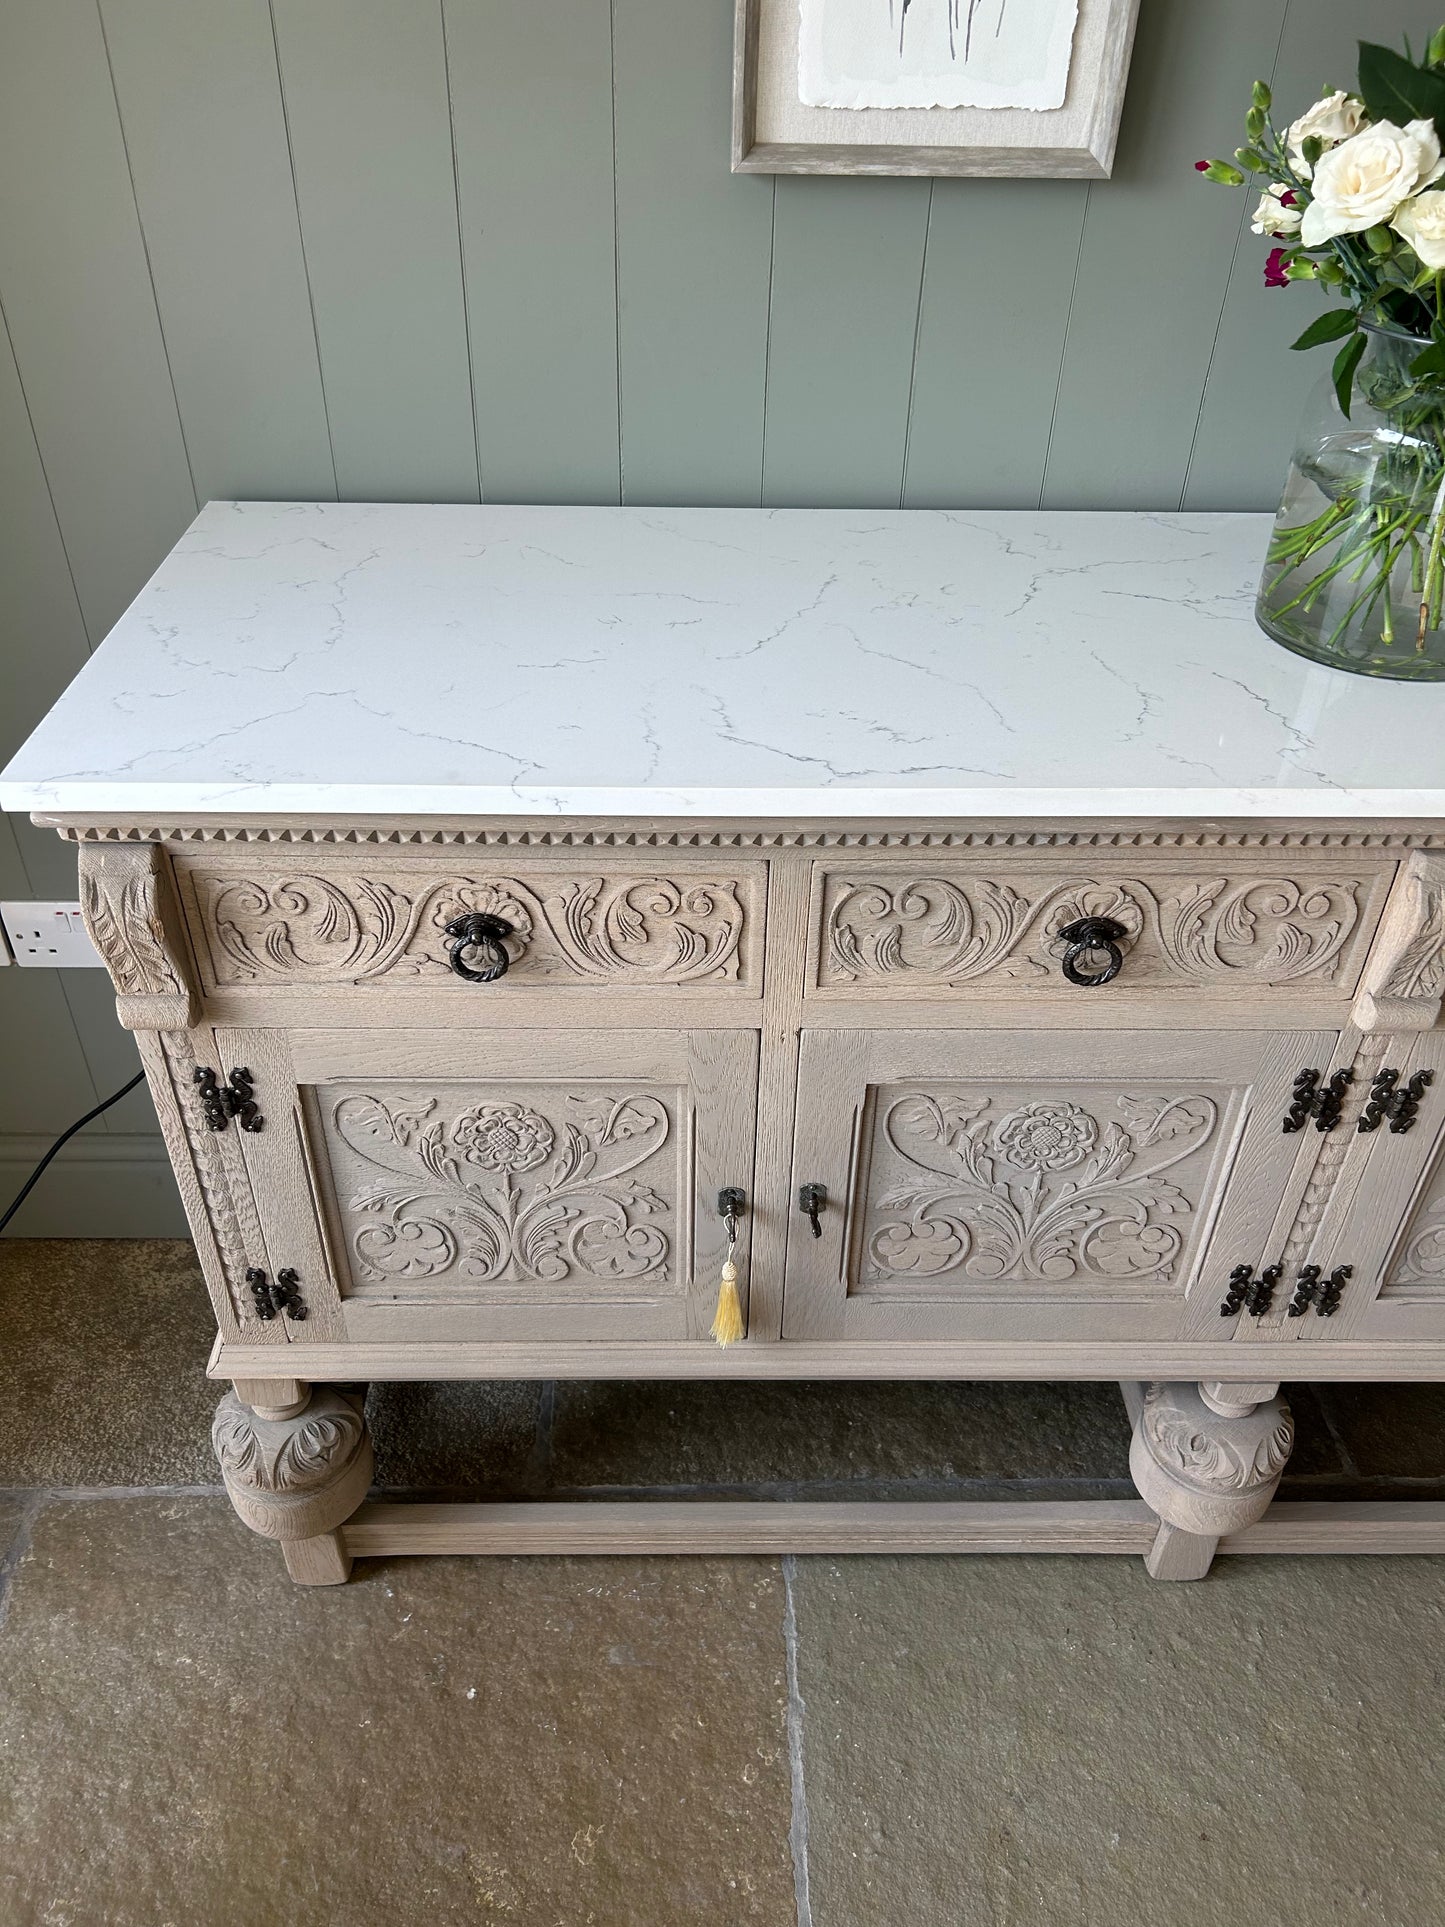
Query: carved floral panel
[[971, 1186], [894, 929], [550, 1188], [301, 926]]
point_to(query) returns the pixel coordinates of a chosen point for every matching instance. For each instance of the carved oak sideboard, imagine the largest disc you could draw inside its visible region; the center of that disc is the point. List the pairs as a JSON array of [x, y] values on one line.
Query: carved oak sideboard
[[1035, 971]]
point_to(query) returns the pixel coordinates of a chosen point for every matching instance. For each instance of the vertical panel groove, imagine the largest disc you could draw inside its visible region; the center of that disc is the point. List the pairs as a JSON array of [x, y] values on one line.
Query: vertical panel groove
[[146, 251], [616, 249], [913, 358], [301, 234], [461, 248], [1224, 296], [49, 491], [1064, 347], [768, 342]]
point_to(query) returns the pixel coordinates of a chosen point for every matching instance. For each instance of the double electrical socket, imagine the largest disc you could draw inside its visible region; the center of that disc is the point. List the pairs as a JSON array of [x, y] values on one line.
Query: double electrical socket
[[47, 936]]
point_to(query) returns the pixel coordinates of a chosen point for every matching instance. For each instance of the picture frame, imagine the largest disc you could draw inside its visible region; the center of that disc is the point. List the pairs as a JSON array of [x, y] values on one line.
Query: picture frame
[[774, 132]]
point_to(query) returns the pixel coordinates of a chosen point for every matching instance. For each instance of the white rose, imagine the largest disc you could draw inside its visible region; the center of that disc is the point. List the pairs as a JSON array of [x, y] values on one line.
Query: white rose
[[1275, 215], [1360, 183], [1330, 120], [1422, 222]]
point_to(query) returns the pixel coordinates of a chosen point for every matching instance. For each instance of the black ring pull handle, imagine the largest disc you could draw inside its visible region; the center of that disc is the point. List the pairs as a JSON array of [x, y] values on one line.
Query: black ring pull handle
[[1093, 934], [477, 931]]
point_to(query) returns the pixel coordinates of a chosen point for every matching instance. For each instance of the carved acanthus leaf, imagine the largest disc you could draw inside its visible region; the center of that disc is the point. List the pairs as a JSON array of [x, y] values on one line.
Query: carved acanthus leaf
[[1227, 1456], [962, 928], [268, 1456], [1419, 970], [126, 927], [327, 929]]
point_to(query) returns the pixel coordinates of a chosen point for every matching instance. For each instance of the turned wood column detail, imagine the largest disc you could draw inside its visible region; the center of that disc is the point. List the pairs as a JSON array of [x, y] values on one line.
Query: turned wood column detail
[[296, 1473], [1205, 1473]]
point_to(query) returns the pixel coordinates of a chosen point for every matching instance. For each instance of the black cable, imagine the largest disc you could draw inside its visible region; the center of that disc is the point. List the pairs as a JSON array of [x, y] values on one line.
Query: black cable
[[64, 1138]]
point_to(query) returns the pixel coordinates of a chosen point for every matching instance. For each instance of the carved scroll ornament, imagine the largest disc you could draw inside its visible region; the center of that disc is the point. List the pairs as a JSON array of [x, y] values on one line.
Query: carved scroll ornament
[[506, 1191], [1043, 1191], [940, 929], [350, 929]]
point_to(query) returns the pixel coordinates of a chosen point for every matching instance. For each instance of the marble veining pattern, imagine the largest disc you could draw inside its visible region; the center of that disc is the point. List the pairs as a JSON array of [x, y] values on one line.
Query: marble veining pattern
[[675, 662]]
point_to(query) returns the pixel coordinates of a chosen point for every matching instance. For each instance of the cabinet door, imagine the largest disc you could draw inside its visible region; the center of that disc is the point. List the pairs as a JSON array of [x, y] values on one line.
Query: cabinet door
[[1384, 1215], [1057, 1184], [521, 1184]]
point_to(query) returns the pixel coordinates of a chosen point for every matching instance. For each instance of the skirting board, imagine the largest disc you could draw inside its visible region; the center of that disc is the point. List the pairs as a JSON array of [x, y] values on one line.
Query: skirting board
[[100, 1186], [1098, 1526]]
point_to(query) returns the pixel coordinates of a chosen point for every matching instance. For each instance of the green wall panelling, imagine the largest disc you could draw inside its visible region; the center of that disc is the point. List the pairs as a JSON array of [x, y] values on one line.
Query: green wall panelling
[[80, 307], [693, 249], [1256, 389], [847, 276], [534, 184], [1155, 259], [200, 107], [365, 87], [990, 341]]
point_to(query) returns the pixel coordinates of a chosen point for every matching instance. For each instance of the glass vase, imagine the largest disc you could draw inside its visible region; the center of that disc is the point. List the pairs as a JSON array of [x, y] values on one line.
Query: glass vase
[[1355, 575]]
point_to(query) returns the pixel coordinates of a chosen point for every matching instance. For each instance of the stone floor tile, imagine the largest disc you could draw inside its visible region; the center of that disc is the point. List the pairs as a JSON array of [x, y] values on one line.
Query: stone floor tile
[[1390, 1431], [700, 1433], [1064, 1743], [12, 1515], [466, 1439], [102, 1367], [190, 1741]]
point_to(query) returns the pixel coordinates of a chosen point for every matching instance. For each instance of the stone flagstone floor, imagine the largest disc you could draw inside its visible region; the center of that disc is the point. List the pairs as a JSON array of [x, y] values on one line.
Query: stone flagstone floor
[[186, 1740]]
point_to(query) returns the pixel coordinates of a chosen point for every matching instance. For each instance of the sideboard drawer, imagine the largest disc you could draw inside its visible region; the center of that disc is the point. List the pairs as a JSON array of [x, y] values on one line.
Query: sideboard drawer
[[1290, 920], [277, 920]]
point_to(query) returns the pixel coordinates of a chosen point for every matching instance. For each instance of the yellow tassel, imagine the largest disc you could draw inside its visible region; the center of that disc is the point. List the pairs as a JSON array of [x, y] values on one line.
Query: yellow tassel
[[727, 1324]]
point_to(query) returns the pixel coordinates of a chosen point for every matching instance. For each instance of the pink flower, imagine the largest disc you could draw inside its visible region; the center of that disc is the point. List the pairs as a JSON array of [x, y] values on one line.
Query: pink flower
[[1274, 269]]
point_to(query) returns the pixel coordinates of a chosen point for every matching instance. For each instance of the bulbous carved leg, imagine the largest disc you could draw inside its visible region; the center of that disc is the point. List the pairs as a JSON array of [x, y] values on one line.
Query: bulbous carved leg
[[1205, 1473], [297, 1477]]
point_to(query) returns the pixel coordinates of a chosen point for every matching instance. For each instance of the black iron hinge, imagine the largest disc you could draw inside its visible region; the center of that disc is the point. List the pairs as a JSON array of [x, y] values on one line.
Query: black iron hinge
[[1311, 1099], [273, 1298], [222, 1102], [1248, 1293], [1391, 1099]]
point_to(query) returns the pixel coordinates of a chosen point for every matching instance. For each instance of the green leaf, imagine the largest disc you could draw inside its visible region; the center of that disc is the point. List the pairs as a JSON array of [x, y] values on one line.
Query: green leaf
[[1328, 326], [1431, 362], [1393, 89], [1346, 362], [1435, 52]]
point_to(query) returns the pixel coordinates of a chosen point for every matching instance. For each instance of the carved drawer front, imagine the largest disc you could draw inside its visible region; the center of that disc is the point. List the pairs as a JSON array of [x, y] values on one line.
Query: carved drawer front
[[1042, 1185], [1291, 922], [276, 921], [550, 1185]]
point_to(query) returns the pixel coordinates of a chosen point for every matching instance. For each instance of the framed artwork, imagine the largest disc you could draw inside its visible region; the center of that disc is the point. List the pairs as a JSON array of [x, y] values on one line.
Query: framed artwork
[[990, 87]]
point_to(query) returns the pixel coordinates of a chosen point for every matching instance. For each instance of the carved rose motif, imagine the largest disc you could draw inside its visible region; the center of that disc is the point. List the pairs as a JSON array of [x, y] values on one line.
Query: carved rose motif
[[1048, 1136], [502, 1194], [1046, 1192], [503, 1137]]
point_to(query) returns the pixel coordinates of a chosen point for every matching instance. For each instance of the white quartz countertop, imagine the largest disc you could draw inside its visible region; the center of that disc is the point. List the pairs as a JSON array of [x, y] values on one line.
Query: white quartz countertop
[[332, 658]]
